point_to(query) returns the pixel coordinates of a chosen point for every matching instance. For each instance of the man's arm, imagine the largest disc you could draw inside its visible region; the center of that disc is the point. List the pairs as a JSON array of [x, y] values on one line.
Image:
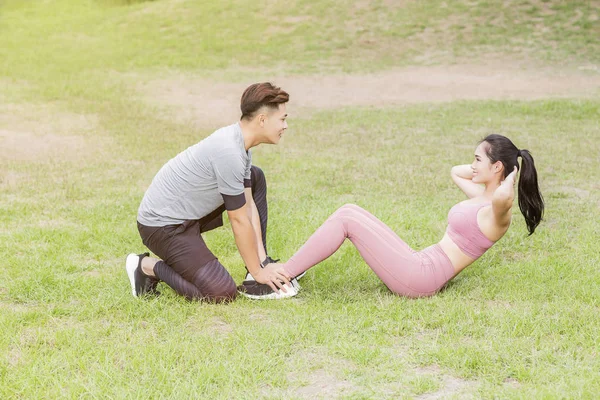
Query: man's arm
[[230, 171], [255, 219], [245, 239]]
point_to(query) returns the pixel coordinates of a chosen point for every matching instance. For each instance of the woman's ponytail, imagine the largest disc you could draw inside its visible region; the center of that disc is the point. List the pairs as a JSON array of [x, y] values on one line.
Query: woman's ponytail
[[531, 202]]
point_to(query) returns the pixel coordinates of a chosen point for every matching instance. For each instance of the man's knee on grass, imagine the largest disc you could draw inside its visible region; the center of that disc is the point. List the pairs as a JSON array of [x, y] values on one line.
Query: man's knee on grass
[[215, 283]]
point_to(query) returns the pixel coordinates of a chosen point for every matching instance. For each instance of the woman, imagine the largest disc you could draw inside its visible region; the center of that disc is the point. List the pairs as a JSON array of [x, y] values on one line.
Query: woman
[[474, 225]]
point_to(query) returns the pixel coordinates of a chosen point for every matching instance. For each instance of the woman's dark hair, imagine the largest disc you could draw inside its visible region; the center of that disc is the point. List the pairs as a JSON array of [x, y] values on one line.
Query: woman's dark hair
[[259, 95], [531, 202]]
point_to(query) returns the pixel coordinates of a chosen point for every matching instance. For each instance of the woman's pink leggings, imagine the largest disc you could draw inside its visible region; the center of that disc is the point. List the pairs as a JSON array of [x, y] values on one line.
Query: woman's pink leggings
[[404, 271]]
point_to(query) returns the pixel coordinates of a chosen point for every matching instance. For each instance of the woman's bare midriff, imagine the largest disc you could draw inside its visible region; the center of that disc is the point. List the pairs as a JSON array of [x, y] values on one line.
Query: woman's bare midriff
[[458, 259]]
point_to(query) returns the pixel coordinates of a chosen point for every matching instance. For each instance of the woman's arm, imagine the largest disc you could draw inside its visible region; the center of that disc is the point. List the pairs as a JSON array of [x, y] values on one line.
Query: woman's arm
[[502, 200], [461, 175]]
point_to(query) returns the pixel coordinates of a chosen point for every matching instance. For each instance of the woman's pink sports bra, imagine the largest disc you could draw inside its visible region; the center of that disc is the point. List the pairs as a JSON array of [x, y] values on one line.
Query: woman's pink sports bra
[[464, 230]]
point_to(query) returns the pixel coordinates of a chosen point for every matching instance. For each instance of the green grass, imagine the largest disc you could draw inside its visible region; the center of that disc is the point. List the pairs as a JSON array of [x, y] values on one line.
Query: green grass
[[59, 46], [522, 322]]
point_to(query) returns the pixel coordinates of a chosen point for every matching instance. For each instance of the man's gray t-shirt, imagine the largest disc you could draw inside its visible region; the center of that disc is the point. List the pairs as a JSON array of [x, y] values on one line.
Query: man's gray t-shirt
[[191, 185]]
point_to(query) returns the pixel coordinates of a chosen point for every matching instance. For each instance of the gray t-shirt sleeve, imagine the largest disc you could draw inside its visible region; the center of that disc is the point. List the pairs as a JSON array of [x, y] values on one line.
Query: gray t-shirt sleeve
[[230, 171]]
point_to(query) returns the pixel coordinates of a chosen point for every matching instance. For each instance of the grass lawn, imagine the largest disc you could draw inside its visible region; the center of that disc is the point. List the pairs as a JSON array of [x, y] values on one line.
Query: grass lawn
[[79, 144]]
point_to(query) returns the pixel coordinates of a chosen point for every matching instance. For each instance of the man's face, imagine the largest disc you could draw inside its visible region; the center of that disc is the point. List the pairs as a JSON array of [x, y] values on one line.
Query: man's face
[[275, 123]]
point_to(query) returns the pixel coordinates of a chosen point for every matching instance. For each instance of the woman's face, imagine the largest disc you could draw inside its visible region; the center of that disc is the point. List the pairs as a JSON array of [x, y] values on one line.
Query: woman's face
[[483, 169]]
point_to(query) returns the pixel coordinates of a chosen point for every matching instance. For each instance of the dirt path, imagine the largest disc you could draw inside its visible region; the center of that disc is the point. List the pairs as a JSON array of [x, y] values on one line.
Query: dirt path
[[37, 133], [210, 103]]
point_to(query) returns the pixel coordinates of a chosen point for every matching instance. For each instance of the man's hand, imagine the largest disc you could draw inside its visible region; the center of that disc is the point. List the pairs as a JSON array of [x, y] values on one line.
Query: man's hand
[[274, 276], [279, 268]]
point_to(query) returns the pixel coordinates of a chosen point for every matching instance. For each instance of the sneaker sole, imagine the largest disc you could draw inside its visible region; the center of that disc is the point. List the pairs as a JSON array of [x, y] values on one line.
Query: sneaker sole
[[249, 277], [131, 264], [291, 292]]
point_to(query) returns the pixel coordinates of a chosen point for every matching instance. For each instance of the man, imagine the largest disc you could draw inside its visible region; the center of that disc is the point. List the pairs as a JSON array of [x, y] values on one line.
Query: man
[[188, 196]]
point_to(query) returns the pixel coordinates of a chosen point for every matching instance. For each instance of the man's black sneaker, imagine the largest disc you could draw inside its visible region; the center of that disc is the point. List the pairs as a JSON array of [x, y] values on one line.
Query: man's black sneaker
[[268, 261], [262, 291], [141, 283]]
